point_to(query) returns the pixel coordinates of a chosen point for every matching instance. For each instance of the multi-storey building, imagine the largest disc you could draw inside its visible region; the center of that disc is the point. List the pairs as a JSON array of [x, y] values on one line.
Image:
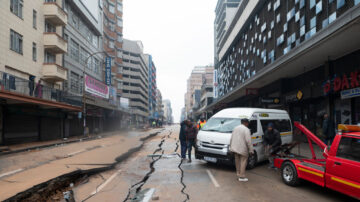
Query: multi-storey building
[[206, 95], [84, 35], [136, 82], [32, 47], [113, 40], [194, 83], [152, 86], [159, 114], [225, 11], [299, 55]]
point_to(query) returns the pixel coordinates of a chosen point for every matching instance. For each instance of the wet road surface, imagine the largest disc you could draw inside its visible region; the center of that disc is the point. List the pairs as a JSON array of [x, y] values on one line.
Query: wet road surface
[[157, 169]]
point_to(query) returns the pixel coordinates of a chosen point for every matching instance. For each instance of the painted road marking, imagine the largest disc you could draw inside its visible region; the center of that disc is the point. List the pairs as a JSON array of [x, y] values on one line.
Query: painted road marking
[[105, 183], [11, 172], [77, 152], [216, 184], [148, 195]]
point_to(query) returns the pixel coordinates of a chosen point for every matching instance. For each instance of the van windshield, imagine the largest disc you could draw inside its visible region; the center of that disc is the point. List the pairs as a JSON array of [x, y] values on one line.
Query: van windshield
[[222, 125]]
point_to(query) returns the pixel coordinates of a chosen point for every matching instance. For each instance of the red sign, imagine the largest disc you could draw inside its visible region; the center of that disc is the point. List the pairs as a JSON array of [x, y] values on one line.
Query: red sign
[[342, 83]]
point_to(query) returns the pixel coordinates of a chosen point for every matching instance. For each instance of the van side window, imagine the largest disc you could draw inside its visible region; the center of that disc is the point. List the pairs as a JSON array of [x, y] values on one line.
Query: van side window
[[282, 125], [253, 126], [349, 148]]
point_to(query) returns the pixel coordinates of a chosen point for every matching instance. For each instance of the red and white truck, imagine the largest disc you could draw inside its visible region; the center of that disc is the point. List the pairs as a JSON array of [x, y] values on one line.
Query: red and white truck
[[339, 169]]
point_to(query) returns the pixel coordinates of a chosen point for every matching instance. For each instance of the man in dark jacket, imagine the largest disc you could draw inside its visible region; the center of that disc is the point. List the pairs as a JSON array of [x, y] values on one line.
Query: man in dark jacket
[[191, 133], [328, 129], [182, 138], [272, 142]]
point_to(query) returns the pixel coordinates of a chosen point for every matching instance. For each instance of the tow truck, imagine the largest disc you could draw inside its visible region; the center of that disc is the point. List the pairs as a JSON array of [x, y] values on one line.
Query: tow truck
[[339, 169]]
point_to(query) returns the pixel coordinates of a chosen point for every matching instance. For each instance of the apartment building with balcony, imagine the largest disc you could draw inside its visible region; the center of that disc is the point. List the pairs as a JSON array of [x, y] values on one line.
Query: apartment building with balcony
[[301, 56], [32, 47], [135, 80]]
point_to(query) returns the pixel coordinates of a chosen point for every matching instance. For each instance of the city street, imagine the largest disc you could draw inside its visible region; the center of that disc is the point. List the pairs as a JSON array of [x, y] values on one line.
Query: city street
[[197, 181]]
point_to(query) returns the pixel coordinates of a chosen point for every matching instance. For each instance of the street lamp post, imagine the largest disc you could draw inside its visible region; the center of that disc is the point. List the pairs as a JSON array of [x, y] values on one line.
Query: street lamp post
[[83, 92]]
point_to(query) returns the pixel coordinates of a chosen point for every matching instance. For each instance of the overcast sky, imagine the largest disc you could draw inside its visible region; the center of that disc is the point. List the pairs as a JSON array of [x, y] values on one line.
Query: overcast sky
[[178, 34]]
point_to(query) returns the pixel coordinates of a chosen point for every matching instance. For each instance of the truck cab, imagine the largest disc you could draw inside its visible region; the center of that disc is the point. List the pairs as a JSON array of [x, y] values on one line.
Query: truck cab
[[338, 170]]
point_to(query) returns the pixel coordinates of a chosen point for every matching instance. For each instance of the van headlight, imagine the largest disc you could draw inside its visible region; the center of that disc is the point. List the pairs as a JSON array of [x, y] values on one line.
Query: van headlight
[[198, 143]]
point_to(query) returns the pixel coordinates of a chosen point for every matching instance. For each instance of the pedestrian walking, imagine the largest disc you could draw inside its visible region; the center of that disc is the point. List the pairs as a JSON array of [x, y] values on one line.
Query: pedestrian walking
[[182, 138], [241, 146], [191, 133], [272, 142], [328, 129]]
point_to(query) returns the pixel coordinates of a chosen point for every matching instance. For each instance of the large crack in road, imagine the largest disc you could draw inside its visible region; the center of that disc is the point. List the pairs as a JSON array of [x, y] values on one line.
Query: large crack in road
[[141, 183], [182, 174]]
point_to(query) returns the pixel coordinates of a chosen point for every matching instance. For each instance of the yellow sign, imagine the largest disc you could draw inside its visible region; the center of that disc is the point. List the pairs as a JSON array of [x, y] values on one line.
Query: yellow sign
[[264, 115], [299, 95], [276, 100]]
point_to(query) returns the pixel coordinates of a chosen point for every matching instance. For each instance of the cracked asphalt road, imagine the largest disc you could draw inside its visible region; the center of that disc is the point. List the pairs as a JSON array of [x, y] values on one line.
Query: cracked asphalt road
[[199, 181]]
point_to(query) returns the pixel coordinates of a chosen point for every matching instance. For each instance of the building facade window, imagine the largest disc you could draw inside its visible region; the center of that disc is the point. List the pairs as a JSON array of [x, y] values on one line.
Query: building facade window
[[49, 57], [340, 3], [119, 22], [74, 50], [16, 42], [111, 8], [16, 7], [74, 82], [34, 19], [34, 52], [96, 65], [49, 27], [119, 6]]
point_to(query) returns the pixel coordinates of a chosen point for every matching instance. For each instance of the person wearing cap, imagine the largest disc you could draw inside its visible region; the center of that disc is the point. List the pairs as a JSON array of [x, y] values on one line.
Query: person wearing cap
[[241, 146], [272, 142]]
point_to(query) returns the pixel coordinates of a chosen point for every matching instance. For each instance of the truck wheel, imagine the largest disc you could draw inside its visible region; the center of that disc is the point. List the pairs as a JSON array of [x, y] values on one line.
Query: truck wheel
[[289, 174], [252, 161]]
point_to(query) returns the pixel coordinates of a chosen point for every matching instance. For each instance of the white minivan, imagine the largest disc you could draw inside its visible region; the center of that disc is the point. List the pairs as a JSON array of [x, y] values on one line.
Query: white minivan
[[214, 138]]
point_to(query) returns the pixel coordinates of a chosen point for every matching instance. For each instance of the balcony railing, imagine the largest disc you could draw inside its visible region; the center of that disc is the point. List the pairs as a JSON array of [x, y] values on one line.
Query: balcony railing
[[55, 14], [54, 43], [25, 87]]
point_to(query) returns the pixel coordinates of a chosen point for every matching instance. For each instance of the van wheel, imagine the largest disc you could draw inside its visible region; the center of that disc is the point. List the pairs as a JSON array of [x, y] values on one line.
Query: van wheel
[[289, 174], [252, 161]]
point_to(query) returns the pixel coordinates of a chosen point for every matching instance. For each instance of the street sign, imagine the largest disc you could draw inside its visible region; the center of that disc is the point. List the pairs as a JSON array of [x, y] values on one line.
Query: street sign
[[108, 71]]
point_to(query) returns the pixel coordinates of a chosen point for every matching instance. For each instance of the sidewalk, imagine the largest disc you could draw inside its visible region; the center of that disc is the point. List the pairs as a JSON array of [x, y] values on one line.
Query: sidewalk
[[4, 150], [101, 158]]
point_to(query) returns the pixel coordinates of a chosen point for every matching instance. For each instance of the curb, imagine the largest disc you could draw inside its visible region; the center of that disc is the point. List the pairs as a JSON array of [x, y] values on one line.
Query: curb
[[63, 180]]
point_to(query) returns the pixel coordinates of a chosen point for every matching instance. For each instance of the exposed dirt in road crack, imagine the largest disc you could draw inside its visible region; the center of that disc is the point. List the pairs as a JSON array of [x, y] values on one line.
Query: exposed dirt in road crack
[[182, 174]]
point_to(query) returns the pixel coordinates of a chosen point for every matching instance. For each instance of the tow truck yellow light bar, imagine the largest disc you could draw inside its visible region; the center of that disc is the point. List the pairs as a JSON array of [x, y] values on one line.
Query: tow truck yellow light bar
[[348, 128]]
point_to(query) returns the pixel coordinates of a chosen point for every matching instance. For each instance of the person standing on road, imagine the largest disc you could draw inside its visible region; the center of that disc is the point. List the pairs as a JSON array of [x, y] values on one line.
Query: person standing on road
[[328, 129], [191, 133], [241, 146], [182, 138], [272, 142]]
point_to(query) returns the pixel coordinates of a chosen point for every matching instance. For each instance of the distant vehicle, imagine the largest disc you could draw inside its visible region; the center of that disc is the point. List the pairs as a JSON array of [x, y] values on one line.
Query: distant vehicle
[[340, 168], [213, 139]]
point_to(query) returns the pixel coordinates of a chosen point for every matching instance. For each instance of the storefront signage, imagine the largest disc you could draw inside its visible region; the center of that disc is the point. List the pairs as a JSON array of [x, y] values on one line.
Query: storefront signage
[[295, 97], [342, 83], [275, 100], [96, 87], [108, 71], [345, 94]]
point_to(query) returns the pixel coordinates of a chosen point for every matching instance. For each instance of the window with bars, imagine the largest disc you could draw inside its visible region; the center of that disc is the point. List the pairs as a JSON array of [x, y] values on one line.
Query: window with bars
[[34, 52]]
